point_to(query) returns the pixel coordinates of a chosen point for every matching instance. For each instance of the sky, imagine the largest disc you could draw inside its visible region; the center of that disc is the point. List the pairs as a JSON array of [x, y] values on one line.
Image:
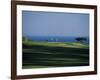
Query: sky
[[39, 23]]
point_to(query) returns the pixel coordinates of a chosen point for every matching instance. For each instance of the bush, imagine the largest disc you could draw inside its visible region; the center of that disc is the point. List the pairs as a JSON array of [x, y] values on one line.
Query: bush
[[81, 39]]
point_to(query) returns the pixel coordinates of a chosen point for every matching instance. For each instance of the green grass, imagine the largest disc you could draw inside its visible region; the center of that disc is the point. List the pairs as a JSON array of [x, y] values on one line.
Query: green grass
[[54, 54], [57, 44]]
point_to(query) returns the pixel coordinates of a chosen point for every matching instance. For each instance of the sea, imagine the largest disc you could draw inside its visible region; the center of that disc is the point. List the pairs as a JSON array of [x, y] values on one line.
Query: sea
[[55, 39]]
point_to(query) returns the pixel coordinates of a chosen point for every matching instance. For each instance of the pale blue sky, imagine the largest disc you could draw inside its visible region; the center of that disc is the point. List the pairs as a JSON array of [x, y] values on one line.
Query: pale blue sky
[[36, 23]]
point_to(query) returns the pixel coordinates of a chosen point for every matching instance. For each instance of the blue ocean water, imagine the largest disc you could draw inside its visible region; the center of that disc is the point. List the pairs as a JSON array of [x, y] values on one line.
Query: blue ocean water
[[55, 38]]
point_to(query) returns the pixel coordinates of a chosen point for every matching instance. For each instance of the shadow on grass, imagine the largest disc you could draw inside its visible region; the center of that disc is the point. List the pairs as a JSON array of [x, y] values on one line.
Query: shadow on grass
[[39, 55]]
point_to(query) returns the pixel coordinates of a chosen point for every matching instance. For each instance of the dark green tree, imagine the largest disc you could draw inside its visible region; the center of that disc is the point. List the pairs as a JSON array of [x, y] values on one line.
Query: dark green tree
[[81, 39]]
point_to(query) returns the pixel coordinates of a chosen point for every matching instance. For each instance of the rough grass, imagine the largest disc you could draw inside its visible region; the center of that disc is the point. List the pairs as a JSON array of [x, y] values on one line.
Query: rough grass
[[54, 54]]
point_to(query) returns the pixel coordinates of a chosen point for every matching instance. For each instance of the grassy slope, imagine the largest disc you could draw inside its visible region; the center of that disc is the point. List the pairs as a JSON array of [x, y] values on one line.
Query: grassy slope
[[57, 44], [53, 54]]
